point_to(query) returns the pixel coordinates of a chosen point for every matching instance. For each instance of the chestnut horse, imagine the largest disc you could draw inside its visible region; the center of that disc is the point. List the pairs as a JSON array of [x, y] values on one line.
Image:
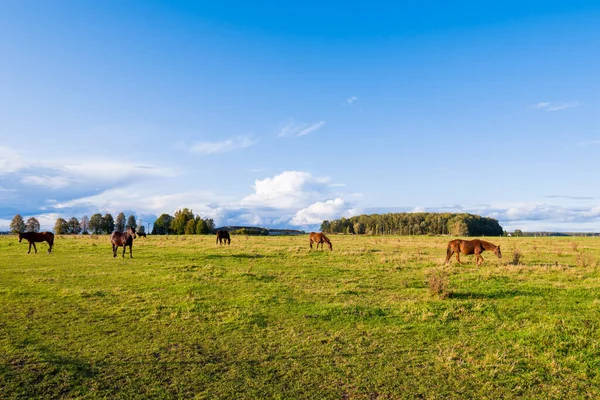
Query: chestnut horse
[[123, 239], [223, 237], [33, 237], [475, 246], [319, 238]]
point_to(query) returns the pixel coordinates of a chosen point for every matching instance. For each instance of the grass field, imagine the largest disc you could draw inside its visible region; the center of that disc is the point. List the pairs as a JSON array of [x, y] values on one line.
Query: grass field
[[267, 318]]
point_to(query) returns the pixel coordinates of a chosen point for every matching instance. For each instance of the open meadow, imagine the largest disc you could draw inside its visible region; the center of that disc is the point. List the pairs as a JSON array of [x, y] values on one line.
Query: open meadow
[[379, 317]]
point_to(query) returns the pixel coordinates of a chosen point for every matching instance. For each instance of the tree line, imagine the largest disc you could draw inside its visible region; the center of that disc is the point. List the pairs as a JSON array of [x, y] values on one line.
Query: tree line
[[98, 224], [183, 222], [462, 224]]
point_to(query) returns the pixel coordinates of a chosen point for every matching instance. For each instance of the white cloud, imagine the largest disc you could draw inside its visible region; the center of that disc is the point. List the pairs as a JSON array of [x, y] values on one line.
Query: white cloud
[[10, 161], [549, 106], [289, 189], [319, 211], [239, 142], [293, 129], [52, 182], [351, 100]]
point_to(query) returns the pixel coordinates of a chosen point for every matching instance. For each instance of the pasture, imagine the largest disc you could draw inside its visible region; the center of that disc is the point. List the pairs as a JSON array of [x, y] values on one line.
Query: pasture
[[267, 318]]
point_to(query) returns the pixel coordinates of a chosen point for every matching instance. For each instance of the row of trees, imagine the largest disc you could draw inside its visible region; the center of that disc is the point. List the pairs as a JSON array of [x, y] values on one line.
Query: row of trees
[[415, 224], [97, 224], [19, 225], [183, 222]]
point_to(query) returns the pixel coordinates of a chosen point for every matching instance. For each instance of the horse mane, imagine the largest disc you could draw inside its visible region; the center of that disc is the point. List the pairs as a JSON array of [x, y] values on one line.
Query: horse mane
[[488, 245], [325, 238]]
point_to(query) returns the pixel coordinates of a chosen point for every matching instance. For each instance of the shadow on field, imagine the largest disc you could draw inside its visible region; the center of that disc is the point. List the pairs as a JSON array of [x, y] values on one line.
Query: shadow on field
[[501, 294], [241, 255]]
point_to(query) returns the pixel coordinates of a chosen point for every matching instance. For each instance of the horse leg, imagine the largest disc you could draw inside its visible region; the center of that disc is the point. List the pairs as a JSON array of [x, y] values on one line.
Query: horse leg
[[50, 248], [29, 248], [114, 250], [35, 248], [458, 257], [310, 242], [480, 261], [130, 251], [124, 248]]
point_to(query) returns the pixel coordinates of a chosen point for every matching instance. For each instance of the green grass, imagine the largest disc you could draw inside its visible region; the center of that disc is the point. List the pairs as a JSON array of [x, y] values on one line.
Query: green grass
[[267, 318]]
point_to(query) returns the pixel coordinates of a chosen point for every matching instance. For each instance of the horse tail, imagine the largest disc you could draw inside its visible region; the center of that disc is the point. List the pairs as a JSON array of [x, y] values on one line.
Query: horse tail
[[449, 251]]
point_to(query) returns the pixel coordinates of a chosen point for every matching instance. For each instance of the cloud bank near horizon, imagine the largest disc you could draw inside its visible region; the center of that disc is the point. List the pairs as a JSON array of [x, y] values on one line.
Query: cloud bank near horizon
[[52, 189]]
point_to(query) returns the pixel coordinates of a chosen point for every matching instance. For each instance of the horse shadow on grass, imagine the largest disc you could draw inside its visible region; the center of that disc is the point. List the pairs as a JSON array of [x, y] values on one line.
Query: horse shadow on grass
[[240, 255], [495, 295]]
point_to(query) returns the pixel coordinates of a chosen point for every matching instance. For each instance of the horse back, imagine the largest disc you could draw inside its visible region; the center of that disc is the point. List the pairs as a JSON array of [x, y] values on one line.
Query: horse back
[[49, 237], [121, 239]]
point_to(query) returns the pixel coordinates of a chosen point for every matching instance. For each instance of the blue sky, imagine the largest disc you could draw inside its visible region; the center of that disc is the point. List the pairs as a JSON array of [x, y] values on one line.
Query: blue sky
[[280, 115]]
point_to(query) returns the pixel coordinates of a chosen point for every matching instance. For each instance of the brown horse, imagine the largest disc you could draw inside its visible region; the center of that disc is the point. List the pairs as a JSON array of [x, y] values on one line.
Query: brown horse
[[141, 234], [319, 238], [123, 239], [475, 246], [223, 237], [33, 237]]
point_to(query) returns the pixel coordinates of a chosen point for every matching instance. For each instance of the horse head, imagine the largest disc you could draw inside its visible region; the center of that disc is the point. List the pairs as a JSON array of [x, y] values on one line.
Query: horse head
[[498, 252], [131, 232]]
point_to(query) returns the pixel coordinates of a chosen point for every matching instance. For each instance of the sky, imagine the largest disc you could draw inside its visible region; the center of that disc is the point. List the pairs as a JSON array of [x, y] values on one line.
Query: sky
[[284, 115]]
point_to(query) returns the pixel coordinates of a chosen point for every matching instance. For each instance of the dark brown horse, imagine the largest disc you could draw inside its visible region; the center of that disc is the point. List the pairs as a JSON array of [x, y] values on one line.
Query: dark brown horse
[[223, 237], [319, 238], [123, 239], [33, 237], [141, 234], [474, 246]]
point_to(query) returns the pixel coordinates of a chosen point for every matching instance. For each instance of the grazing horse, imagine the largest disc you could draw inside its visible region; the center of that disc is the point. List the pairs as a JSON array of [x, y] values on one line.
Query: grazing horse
[[141, 234], [475, 246], [33, 237], [319, 238], [223, 237], [122, 239]]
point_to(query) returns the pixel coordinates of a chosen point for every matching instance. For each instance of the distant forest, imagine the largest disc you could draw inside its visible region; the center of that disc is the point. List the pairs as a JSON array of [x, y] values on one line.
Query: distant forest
[[415, 224]]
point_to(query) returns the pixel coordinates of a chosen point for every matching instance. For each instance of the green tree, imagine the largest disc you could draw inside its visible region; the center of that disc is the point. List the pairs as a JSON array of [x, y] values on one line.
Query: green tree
[[108, 224], [201, 227], [120, 222], [131, 222], [74, 226], [180, 220], [96, 224], [359, 228], [326, 227], [32, 225], [458, 227], [162, 225], [61, 227], [190, 227], [210, 225], [17, 224], [518, 233]]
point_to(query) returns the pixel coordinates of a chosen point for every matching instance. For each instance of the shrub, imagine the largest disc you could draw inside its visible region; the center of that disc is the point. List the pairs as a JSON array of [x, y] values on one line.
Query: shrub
[[584, 260], [439, 284], [574, 246], [516, 257]]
